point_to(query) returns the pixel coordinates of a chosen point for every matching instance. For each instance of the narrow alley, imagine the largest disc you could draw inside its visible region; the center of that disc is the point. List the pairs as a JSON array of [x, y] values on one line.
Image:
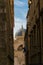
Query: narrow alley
[[21, 32], [29, 43]]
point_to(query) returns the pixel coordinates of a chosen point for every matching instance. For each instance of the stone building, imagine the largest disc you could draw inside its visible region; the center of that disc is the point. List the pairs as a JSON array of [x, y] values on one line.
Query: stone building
[[19, 56], [6, 32], [34, 35]]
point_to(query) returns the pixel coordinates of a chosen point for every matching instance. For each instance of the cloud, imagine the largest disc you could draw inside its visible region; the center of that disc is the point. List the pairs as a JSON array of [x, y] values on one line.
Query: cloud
[[19, 3], [17, 19], [18, 23], [20, 14]]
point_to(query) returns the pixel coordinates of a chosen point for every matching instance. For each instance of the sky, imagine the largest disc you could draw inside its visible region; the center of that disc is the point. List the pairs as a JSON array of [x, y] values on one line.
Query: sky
[[20, 12]]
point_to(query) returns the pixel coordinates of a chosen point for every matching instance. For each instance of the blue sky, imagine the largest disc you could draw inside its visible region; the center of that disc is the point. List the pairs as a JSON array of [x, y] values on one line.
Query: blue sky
[[20, 12]]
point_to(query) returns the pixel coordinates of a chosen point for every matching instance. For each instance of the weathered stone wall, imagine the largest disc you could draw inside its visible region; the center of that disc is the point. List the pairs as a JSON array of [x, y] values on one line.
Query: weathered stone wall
[[19, 55], [35, 30], [6, 34]]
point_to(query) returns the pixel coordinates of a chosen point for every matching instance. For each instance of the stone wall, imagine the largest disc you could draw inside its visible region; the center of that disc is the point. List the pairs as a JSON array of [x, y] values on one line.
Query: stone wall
[[6, 34], [35, 30]]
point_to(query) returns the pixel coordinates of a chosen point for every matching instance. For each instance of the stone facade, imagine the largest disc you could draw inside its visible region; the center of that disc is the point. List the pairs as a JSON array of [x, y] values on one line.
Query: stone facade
[[19, 56], [35, 32], [6, 32]]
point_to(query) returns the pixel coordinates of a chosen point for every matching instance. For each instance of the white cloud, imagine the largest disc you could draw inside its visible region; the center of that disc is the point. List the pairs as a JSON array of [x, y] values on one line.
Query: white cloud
[[19, 20], [19, 3], [18, 23]]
